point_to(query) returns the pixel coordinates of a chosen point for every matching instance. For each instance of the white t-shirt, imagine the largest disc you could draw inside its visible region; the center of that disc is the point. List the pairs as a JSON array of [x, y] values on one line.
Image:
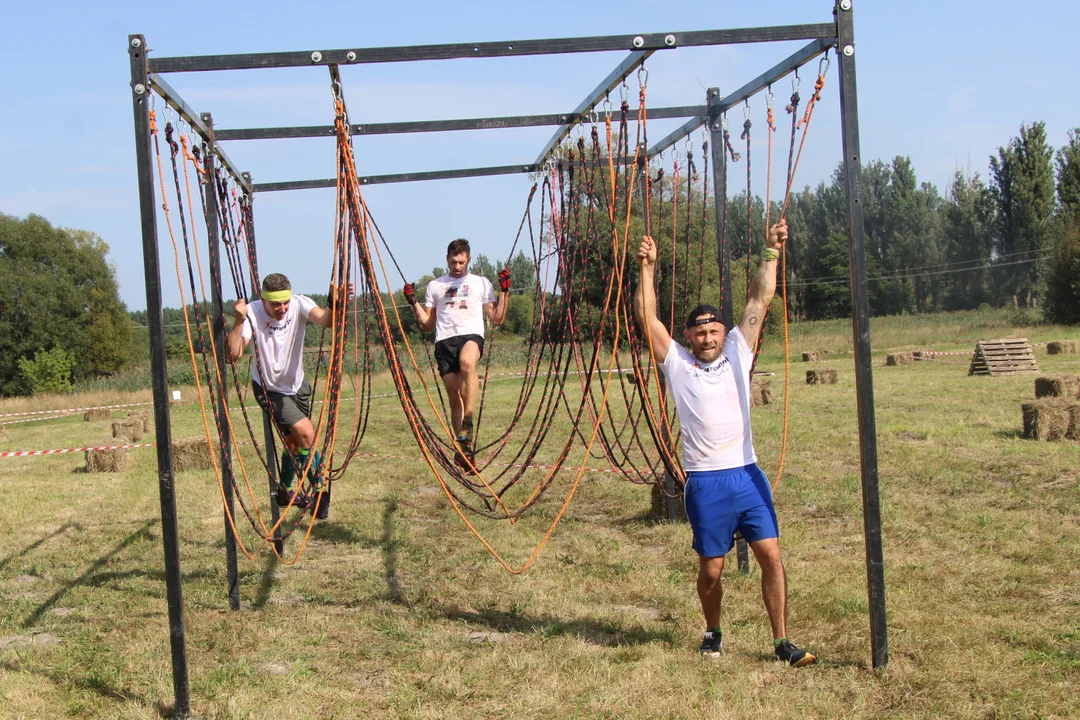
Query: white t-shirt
[[713, 402], [281, 344], [459, 304]]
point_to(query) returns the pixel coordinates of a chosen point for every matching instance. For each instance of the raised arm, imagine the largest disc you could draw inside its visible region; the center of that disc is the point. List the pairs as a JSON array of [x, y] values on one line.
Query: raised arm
[[763, 287], [325, 318], [497, 313], [236, 340], [645, 302]]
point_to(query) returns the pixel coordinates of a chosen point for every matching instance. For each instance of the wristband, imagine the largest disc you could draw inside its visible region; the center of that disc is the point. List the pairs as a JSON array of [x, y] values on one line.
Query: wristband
[[770, 254]]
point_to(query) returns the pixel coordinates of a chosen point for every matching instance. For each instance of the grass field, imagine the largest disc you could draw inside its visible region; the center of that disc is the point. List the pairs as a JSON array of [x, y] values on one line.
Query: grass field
[[395, 610]]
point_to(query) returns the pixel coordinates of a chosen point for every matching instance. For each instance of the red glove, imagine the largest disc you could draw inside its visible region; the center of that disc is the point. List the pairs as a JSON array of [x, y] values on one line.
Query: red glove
[[410, 293], [504, 280]]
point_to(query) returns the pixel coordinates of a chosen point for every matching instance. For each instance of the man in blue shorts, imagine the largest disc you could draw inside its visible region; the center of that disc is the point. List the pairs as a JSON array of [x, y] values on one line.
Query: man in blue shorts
[[725, 489]]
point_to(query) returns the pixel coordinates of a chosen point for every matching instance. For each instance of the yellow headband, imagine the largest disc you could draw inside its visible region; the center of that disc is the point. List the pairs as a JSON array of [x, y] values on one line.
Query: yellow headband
[[276, 295]]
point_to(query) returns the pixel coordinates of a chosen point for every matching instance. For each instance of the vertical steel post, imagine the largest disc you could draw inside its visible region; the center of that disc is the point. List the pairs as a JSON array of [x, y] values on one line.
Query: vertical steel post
[[213, 239], [723, 251], [860, 325], [140, 88], [672, 503]]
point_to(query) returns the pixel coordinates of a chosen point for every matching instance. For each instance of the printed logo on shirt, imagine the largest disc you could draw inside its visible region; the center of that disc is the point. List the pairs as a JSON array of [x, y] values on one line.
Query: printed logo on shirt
[[713, 371], [278, 328]]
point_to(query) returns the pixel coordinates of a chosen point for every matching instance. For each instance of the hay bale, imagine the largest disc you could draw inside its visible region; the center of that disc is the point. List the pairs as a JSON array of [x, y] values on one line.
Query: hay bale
[[1059, 386], [809, 357], [1061, 347], [761, 393], [899, 359], [97, 414], [1050, 419], [192, 454], [107, 460], [823, 376], [127, 429], [143, 417], [659, 507]]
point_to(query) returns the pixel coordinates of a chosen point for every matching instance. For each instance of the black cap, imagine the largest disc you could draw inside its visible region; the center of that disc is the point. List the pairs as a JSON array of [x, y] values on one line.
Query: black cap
[[701, 315]]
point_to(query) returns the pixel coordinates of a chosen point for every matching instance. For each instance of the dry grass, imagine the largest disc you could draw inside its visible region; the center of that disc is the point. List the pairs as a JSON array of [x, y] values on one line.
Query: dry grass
[[396, 611]]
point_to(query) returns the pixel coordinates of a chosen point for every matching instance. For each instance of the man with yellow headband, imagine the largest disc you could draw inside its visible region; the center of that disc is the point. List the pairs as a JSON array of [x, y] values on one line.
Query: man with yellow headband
[[277, 321]]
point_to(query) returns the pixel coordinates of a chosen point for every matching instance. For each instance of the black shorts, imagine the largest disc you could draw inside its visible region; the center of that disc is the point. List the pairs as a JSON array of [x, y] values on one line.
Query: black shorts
[[288, 409], [448, 350]]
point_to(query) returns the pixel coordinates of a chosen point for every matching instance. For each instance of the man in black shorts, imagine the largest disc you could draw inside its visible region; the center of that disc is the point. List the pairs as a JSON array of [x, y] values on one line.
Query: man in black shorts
[[455, 306]]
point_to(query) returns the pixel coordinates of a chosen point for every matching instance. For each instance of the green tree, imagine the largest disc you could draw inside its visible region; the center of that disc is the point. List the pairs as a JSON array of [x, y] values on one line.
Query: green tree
[[1068, 175], [1023, 189], [968, 242], [58, 289], [1063, 278]]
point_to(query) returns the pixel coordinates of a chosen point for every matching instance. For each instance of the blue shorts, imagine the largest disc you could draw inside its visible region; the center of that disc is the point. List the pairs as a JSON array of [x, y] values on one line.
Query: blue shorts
[[719, 502]]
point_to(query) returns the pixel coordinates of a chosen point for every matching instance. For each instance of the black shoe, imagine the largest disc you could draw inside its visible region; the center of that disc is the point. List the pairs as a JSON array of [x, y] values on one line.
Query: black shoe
[[465, 457], [322, 504], [284, 495], [788, 653], [712, 645]]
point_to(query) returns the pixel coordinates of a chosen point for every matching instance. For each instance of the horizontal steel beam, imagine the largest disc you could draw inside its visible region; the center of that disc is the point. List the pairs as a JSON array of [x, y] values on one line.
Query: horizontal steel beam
[[399, 178], [796, 60], [356, 56], [177, 103], [424, 126]]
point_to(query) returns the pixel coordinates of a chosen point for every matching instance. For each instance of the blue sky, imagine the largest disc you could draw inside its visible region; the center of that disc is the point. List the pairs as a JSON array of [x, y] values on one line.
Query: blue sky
[[943, 82]]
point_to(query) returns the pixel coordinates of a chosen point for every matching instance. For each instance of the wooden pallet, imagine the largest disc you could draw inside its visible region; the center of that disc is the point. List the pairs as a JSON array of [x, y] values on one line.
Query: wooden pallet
[[1008, 356]]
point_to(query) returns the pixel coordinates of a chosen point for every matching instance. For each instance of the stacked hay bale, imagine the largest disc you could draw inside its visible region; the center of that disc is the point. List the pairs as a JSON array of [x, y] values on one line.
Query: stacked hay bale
[[660, 500], [809, 357], [900, 359], [1061, 347], [143, 418], [760, 392], [192, 454], [107, 460], [97, 414], [128, 429], [1055, 413], [822, 376]]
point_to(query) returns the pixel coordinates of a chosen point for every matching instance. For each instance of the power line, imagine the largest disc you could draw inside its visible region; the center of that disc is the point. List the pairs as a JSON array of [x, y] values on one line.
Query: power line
[[915, 274]]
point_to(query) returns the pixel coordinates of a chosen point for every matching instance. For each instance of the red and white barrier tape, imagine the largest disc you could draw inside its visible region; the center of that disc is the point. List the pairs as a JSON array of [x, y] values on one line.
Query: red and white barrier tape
[[37, 419], [32, 453], [72, 410]]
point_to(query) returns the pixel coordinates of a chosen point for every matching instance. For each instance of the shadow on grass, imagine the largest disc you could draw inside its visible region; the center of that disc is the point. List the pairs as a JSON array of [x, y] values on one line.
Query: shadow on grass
[[85, 682], [142, 533], [39, 542], [825, 663], [266, 584], [598, 632], [1010, 434], [341, 535], [390, 554]]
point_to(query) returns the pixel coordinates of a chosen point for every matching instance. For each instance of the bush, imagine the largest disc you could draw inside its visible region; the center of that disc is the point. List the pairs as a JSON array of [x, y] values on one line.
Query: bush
[[49, 372]]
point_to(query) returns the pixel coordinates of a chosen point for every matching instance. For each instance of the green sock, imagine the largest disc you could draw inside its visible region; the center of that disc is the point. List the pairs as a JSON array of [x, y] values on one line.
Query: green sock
[[315, 471], [715, 631], [776, 643]]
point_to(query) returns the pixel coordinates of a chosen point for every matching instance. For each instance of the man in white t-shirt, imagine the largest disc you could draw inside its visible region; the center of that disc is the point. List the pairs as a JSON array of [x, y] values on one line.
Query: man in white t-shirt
[[455, 306], [277, 320], [725, 489]]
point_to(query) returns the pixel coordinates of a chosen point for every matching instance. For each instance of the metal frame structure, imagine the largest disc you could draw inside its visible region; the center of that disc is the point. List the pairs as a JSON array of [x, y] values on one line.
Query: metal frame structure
[[146, 77]]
